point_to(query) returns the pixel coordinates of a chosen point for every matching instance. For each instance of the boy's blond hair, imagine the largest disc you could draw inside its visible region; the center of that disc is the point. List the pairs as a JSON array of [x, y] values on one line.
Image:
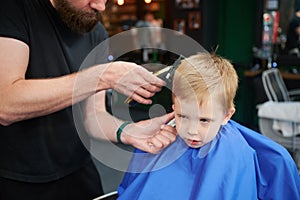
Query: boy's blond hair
[[206, 75]]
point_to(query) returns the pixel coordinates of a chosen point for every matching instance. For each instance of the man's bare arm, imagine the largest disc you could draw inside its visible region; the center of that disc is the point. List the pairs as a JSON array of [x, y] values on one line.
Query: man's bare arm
[[22, 98], [148, 135]]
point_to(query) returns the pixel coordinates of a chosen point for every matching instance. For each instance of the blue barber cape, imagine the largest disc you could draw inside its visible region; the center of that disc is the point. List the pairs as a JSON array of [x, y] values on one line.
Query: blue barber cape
[[237, 164]]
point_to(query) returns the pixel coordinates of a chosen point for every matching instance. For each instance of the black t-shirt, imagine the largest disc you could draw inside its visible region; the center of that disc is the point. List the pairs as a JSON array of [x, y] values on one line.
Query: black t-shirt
[[49, 147], [292, 36]]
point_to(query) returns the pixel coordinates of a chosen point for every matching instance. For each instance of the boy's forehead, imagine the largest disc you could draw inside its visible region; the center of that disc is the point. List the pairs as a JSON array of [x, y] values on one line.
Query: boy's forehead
[[194, 105], [191, 104]]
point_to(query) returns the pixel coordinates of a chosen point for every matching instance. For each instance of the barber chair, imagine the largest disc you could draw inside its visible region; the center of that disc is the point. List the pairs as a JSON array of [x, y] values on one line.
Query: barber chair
[[109, 196], [280, 109]]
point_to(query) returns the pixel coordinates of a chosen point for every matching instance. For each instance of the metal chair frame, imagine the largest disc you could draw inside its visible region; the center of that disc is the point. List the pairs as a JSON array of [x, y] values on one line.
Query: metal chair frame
[[277, 91]]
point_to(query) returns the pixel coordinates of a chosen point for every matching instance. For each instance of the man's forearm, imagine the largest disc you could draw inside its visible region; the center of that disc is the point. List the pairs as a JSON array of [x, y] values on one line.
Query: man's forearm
[[97, 121], [25, 99]]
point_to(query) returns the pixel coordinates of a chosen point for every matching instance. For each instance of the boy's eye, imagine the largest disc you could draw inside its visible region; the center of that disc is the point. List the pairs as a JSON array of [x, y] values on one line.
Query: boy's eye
[[181, 116], [203, 120]]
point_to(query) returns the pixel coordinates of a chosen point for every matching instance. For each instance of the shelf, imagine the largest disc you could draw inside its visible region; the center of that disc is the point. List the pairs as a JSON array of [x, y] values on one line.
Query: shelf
[[114, 15]]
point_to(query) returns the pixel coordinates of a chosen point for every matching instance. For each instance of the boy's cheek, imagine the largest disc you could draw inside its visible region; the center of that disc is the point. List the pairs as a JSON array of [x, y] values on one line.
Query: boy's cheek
[[180, 130]]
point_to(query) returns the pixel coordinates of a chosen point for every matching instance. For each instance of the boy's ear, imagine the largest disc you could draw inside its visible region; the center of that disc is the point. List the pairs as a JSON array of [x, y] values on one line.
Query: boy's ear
[[173, 107], [228, 116]]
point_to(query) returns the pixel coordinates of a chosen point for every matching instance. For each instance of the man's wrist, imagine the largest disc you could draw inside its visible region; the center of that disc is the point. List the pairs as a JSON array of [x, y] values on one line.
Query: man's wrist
[[120, 132]]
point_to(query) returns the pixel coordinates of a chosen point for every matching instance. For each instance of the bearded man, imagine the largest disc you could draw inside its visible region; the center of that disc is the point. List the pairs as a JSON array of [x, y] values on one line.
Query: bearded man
[[43, 44]]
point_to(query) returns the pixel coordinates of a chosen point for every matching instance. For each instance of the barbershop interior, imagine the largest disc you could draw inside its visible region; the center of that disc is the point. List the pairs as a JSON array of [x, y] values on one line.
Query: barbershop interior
[[252, 34], [150, 99]]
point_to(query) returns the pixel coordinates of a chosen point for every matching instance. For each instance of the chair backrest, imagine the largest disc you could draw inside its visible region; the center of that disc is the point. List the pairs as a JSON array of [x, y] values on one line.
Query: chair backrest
[[274, 85]]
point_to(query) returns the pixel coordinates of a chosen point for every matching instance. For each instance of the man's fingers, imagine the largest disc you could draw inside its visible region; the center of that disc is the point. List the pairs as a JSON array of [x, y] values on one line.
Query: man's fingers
[[169, 132], [157, 143], [162, 139], [151, 88], [144, 93], [140, 99], [152, 79], [167, 135]]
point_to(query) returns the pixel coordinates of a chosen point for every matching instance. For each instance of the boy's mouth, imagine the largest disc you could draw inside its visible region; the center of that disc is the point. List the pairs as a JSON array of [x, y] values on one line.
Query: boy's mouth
[[193, 142]]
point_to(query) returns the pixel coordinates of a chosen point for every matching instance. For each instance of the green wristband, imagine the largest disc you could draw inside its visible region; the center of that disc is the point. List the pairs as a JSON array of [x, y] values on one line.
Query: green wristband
[[120, 130]]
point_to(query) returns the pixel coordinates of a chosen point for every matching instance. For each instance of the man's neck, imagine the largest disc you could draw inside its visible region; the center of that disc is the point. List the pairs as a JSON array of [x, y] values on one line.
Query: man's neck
[[52, 2]]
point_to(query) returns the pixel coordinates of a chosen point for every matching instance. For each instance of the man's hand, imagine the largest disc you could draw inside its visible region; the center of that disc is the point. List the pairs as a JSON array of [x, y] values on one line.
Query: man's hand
[[131, 80], [151, 135]]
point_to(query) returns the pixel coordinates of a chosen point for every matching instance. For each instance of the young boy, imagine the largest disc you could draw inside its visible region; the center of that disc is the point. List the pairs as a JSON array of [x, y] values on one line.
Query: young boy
[[214, 157]]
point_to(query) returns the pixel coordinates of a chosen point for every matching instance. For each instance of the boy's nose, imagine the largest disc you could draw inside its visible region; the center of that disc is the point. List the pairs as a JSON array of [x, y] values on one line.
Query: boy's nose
[[98, 4], [193, 129]]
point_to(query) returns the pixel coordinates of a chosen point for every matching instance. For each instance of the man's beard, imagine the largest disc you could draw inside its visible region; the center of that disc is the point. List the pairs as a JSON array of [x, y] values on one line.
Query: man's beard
[[77, 20]]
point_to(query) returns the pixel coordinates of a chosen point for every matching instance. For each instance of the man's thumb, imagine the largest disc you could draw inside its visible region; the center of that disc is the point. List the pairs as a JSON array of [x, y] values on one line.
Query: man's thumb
[[166, 118]]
